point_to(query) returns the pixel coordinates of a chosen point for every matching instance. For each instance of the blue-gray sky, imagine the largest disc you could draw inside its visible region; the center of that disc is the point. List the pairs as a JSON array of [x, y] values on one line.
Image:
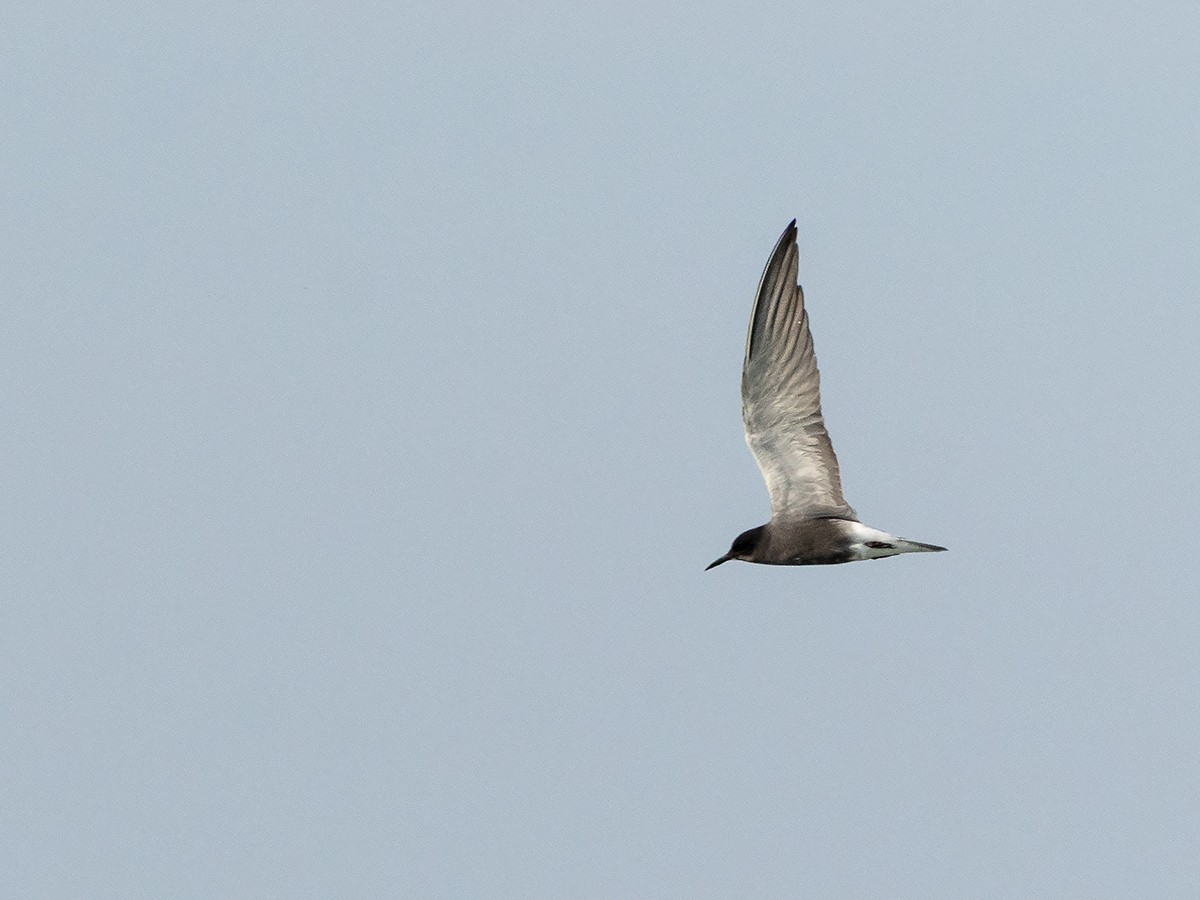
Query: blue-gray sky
[[370, 411]]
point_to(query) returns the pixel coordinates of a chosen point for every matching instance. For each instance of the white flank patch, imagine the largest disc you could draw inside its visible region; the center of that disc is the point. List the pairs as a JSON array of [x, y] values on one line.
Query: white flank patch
[[860, 535]]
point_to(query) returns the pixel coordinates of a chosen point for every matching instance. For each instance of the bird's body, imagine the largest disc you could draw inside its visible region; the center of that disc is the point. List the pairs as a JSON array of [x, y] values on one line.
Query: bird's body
[[811, 523]]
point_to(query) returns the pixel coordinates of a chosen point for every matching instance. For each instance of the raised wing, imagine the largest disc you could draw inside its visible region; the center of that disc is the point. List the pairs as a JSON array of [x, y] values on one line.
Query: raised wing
[[781, 397]]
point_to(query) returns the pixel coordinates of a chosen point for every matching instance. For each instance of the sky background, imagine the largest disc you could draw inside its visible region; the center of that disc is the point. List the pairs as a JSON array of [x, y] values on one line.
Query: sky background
[[370, 412]]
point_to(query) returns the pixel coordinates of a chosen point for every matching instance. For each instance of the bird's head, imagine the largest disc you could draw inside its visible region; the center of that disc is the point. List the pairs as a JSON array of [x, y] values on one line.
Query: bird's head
[[743, 546]]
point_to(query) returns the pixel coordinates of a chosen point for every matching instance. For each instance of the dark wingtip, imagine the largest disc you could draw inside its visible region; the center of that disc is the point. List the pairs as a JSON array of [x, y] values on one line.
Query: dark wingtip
[[775, 262], [786, 239]]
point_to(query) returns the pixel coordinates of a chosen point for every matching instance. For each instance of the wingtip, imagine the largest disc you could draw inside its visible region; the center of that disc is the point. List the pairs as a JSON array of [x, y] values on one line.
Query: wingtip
[[784, 244]]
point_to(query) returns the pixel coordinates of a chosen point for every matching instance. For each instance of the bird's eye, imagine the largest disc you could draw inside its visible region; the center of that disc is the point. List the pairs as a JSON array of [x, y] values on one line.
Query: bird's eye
[[880, 545]]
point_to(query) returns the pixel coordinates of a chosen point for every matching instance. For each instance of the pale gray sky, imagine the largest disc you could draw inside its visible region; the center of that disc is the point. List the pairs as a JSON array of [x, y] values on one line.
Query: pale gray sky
[[370, 406]]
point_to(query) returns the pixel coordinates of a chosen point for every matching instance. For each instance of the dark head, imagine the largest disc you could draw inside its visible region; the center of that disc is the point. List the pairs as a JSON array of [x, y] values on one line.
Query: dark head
[[743, 546]]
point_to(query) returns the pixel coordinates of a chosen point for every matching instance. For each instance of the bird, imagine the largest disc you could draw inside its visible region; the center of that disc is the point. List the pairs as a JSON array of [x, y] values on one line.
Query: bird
[[811, 523]]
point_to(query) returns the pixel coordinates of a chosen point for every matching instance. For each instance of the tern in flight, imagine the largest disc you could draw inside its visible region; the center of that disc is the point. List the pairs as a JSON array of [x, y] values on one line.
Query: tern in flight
[[811, 523]]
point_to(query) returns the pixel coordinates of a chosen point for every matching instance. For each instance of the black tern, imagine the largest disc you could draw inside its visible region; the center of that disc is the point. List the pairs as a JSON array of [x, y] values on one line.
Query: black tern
[[811, 523]]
